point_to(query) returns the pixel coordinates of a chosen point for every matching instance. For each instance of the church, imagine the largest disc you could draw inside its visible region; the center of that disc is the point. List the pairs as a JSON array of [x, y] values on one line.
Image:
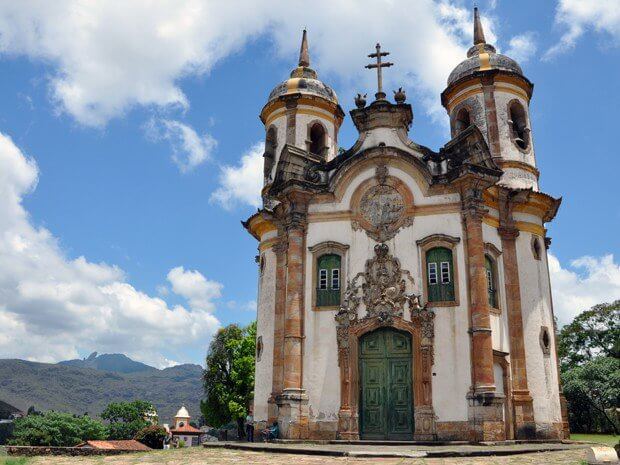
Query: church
[[404, 293]]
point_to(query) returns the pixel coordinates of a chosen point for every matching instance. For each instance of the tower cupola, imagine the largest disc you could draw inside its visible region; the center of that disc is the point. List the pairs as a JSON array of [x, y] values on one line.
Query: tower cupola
[[489, 90], [302, 112]]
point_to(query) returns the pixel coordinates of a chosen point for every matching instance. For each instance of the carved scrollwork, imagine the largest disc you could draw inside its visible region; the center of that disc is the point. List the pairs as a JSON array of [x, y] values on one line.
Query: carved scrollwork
[[382, 288]]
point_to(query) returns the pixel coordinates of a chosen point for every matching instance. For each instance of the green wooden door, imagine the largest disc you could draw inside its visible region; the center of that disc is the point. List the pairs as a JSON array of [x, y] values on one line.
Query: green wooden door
[[386, 395]]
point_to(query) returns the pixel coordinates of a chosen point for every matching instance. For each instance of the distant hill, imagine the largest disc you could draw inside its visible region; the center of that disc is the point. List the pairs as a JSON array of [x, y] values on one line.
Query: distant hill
[[75, 389], [117, 363]]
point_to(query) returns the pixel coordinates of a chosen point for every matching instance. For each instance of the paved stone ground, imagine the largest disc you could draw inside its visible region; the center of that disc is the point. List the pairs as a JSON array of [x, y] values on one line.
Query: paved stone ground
[[200, 456]]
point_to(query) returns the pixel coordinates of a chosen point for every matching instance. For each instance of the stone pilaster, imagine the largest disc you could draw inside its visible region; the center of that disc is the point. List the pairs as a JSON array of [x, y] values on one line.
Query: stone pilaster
[[291, 120], [278, 332], [523, 407], [523, 417], [293, 402], [485, 407], [488, 89]]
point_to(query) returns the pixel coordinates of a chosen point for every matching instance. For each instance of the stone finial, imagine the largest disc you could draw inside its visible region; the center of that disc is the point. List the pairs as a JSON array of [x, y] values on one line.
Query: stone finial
[[360, 100], [478, 31], [400, 96], [304, 56]]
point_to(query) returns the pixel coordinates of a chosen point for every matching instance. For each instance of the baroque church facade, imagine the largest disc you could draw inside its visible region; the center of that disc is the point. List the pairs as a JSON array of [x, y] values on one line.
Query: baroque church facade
[[404, 293]]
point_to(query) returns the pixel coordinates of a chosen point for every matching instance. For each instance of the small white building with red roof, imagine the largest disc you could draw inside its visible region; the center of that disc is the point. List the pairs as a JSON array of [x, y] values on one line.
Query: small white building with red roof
[[181, 430]]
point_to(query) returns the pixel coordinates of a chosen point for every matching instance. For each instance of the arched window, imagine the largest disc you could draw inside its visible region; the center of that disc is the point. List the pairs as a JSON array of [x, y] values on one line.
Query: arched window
[[317, 139], [328, 281], [489, 265], [519, 132], [440, 275], [271, 143], [462, 120]]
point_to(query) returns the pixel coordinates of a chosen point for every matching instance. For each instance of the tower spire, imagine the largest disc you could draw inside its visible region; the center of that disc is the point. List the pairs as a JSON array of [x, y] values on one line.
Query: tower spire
[[304, 56], [478, 31]]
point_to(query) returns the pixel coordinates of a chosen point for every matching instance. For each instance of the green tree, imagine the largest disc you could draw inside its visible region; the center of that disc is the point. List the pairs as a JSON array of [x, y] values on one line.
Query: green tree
[[127, 418], [593, 390], [229, 376], [593, 333], [56, 429], [152, 436]]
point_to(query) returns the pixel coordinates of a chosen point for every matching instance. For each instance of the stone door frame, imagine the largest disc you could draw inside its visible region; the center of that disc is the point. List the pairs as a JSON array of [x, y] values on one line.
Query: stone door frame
[[422, 362]]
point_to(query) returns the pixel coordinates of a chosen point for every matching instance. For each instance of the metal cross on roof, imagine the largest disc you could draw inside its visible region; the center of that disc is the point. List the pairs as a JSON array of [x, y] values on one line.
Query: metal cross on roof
[[380, 95]]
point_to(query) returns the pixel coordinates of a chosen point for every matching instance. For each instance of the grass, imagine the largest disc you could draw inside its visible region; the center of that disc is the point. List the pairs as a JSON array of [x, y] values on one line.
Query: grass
[[606, 439], [13, 460]]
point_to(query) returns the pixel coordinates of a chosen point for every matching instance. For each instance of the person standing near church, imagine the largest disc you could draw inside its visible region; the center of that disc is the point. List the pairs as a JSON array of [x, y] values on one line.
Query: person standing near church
[[249, 426]]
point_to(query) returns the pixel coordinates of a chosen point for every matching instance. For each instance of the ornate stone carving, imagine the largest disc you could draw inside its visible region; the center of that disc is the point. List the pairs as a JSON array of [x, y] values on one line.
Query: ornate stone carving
[[383, 290], [382, 208]]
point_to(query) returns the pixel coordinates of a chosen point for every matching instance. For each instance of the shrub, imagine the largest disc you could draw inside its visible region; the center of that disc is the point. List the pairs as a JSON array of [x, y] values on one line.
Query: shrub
[[152, 436], [56, 429]]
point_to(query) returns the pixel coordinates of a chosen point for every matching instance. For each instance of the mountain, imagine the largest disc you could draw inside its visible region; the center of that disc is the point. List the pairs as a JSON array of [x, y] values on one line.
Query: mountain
[[76, 389], [117, 363]]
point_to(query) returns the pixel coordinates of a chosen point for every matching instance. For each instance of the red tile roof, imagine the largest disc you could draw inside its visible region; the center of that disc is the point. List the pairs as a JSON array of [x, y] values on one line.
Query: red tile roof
[[130, 444], [185, 429]]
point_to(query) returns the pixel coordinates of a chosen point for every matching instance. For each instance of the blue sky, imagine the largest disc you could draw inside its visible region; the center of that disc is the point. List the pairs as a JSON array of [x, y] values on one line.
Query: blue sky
[[128, 151]]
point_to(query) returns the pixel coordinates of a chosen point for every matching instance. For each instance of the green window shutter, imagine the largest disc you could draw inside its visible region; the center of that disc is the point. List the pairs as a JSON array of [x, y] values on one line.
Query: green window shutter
[[492, 292], [328, 281], [440, 275]]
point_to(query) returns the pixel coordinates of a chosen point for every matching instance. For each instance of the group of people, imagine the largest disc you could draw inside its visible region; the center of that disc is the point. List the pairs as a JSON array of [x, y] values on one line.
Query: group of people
[[268, 434]]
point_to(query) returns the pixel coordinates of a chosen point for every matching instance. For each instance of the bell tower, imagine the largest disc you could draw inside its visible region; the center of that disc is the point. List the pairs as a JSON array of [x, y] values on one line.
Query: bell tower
[[302, 112], [489, 90]]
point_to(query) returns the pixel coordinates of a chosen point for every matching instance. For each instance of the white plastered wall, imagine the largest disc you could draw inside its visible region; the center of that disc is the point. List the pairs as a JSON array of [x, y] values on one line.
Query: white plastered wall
[[264, 329], [536, 309], [514, 177], [452, 374]]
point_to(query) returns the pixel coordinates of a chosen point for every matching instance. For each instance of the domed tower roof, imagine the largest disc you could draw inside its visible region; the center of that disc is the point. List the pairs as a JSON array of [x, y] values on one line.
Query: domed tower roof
[[482, 57], [303, 79], [182, 413]]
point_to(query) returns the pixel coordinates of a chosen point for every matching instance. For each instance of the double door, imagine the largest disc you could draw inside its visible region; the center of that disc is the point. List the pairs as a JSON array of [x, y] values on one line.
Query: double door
[[386, 399]]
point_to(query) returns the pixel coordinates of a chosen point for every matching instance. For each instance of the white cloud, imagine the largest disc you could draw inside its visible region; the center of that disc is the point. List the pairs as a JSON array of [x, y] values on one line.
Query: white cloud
[[586, 282], [53, 307], [578, 16], [522, 47], [188, 148], [242, 184], [108, 57], [192, 285]]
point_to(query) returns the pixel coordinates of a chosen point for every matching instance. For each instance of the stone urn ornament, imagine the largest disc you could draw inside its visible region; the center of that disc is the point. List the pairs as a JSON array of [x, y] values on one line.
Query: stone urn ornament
[[360, 101], [400, 96]]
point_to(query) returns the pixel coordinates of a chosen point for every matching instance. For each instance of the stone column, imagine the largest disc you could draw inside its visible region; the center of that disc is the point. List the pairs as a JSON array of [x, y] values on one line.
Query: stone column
[[291, 120], [521, 399], [485, 408], [488, 90], [293, 402], [278, 331]]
